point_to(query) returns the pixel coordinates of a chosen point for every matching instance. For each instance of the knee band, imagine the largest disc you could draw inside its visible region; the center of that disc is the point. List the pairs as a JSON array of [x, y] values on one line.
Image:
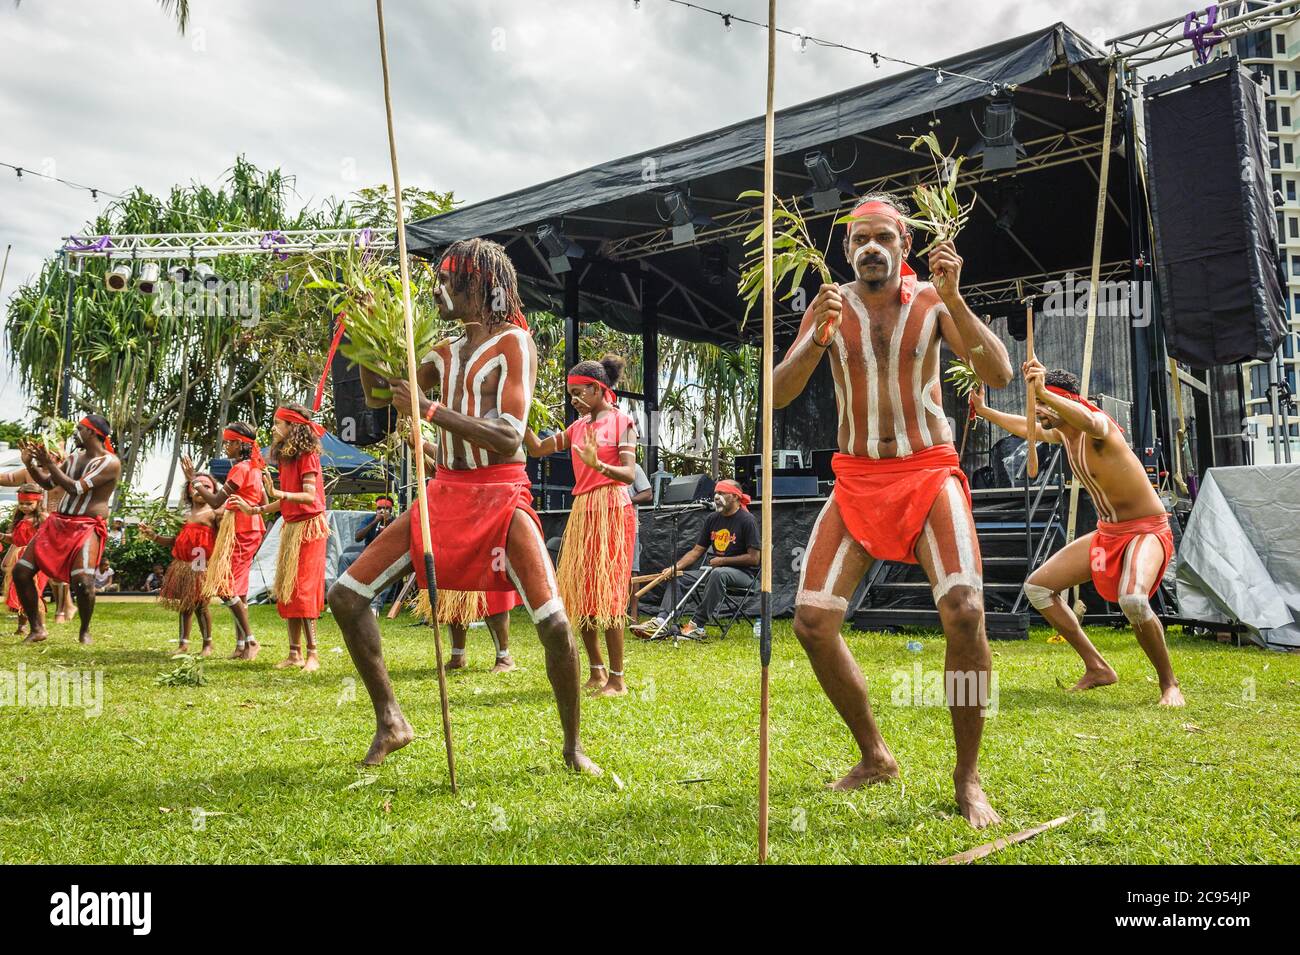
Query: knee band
[[1040, 598], [1136, 607]]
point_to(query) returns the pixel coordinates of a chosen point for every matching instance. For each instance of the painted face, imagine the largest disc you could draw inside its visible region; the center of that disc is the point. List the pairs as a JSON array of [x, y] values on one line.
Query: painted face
[[723, 502], [82, 435], [232, 448], [876, 248], [203, 482], [582, 397], [280, 429], [26, 507], [1047, 419]]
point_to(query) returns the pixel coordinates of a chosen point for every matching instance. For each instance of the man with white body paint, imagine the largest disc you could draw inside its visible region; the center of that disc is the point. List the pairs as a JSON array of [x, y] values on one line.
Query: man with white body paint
[[70, 541], [1127, 555], [486, 536], [900, 493]]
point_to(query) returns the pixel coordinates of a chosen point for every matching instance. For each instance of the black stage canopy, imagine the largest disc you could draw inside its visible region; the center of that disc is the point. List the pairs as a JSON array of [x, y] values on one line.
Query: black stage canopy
[[1032, 223]]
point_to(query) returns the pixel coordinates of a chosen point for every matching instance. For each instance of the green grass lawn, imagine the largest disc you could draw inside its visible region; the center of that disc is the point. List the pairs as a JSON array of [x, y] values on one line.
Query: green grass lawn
[[266, 760]]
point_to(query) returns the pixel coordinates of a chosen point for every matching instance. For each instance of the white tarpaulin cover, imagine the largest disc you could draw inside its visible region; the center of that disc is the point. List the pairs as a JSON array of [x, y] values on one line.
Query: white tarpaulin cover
[[1239, 560], [343, 525]]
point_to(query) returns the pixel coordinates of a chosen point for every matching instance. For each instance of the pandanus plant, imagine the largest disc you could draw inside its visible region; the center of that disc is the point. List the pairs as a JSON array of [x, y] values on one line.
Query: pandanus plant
[[939, 211], [367, 291], [793, 253], [961, 375]]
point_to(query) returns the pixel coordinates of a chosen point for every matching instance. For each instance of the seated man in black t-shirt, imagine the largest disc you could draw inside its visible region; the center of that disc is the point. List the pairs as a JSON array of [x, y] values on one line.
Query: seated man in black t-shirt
[[730, 538]]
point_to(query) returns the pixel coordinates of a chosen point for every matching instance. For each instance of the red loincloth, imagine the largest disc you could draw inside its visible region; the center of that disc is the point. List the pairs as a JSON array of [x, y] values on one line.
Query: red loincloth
[[59, 541], [1106, 554], [885, 502], [499, 601], [23, 533], [469, 517]]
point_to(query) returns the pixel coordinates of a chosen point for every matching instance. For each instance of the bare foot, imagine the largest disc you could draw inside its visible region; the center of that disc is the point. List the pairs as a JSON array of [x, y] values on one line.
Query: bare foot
[[61, 617], [183, 647], [974, 805], [238, 653], [1172, 696], [207, 649], [84, 637], [579, 763], [388, 739], [251, 650], [455, 662], [503, 665], [1092, 679], [596, 680], [36, 636], [294, 659], [615, 687], [881, 768], [312, 663]]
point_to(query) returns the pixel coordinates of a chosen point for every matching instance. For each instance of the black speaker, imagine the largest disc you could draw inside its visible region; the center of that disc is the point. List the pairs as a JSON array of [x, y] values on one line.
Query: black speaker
[[354, 422], [821, 464], [687, 488], [745, 466], [1215, 226]]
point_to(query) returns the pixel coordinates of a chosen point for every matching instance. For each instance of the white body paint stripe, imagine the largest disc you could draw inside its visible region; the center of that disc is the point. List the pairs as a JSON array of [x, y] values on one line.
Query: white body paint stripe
[[902, 443]]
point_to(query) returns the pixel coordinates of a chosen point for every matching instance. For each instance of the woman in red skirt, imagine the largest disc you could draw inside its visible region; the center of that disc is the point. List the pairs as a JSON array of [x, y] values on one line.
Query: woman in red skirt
[[239, 531], [299, 588], [182, 585], [28, 517], [596, 558]]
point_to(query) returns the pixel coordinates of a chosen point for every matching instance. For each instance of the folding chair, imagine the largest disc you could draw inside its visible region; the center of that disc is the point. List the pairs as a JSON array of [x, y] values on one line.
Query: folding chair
[[732, 607]]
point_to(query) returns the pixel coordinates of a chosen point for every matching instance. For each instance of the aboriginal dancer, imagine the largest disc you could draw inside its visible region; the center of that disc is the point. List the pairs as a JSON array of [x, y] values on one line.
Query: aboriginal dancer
[[596, 556], [191, 549], [28, 517]]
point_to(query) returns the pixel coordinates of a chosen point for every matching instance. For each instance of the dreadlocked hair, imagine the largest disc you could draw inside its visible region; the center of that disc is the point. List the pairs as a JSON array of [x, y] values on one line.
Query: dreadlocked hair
[[299, 439], [609, 370], [1060, 378], [487, 276], [248, 431]]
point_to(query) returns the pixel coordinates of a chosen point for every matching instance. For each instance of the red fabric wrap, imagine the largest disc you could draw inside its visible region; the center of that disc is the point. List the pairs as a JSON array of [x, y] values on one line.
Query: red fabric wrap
[[23, 532], [59, 540], [609, 435], [885, 501], [193, 539], [241, 559], [731, 487], [610, 397], [469, 520], [309, 586], [877, 208], [499, 601], [256, 456], [1107, 551], [246, 478], [108, 442], [292, 473], [288, 414], [32, 496]]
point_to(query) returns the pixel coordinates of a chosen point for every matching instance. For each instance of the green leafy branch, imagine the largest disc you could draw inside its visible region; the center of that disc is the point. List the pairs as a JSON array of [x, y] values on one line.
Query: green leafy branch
[[793, 253]]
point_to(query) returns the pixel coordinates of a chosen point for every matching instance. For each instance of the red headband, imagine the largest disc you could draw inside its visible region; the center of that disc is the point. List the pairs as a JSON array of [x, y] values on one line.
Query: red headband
[[1076, 397], [33, 496], [875, 207], [256, 457], [288, 414], [108, 442], [588, 380], [731, 487], [381, 501], [458, 263]]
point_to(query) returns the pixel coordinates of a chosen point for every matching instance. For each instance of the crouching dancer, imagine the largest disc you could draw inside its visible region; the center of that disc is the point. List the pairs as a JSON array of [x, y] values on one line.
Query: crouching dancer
[[486, 536]]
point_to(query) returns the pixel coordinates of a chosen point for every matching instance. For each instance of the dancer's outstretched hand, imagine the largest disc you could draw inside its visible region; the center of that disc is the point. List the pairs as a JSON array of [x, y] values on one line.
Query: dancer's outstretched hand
[[587, 451]]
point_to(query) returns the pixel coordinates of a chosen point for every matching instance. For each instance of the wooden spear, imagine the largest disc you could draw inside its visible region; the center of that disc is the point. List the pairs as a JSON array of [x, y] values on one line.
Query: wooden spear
[[426, 538], [765, 586], [1031, 396]]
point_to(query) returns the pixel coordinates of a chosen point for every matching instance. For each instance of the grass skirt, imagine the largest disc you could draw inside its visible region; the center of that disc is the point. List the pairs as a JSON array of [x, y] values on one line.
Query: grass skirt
[[182, 587], [292, 536], [219, 580], [454, 606], [596, 561]]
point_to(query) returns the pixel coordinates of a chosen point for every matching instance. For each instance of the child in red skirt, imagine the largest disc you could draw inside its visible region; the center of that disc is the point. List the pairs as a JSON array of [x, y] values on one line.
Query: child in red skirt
[[30, 514], [182, 585]]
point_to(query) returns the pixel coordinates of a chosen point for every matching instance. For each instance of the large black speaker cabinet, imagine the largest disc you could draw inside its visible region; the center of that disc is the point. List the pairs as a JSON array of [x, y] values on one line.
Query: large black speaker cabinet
[[1215, 225], [354, 422]]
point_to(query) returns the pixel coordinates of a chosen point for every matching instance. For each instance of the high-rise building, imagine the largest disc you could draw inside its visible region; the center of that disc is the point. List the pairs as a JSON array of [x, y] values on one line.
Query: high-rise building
[[1275, 55]]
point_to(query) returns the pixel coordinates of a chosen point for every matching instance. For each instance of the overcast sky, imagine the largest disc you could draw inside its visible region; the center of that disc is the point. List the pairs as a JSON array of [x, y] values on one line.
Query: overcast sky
[[489, 95]]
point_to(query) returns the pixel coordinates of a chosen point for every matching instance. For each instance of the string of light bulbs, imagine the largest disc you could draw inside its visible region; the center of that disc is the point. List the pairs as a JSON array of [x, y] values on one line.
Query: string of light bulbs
[[804, 39]]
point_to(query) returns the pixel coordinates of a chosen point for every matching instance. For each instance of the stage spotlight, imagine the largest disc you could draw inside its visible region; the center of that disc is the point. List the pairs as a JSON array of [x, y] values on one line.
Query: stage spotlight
[[1000, 147], [118, 278], [178, 275], [827, 187], [205, 274], [559, 249], [146, 282], [714, 261], [681, 216]]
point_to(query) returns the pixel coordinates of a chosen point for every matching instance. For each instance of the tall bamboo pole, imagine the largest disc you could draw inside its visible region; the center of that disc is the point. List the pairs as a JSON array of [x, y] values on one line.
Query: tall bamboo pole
[[426, 538], [765, 570]]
